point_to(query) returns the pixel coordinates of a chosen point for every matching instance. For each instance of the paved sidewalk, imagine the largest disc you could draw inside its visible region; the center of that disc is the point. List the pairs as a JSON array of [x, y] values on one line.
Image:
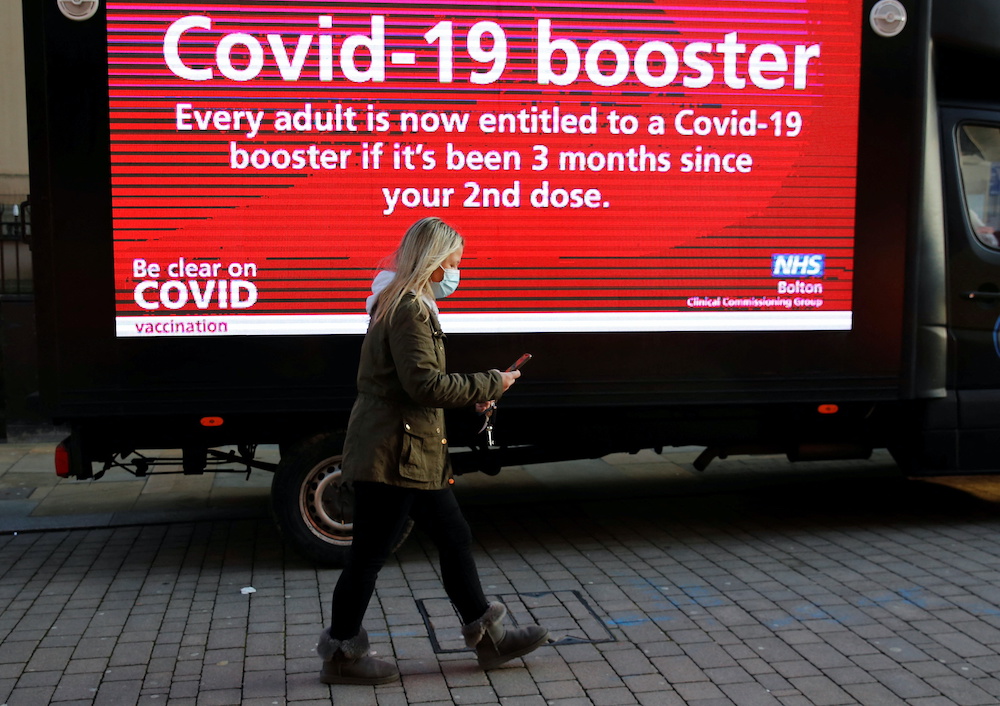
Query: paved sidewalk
[[840, 584]]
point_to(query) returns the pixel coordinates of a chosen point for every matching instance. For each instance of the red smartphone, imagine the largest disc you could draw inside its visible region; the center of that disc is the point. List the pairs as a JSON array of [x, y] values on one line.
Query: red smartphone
[[519, 362]]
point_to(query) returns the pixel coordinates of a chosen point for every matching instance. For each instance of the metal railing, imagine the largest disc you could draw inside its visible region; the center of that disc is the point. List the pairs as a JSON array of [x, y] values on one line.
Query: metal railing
[[16, 280]]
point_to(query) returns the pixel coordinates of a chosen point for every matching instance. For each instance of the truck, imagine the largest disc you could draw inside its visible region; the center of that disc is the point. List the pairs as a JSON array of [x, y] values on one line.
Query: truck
[[753, 228]]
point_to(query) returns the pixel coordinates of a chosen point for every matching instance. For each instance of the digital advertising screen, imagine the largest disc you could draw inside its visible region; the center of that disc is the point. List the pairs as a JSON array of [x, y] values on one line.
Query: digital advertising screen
[[613, 166]]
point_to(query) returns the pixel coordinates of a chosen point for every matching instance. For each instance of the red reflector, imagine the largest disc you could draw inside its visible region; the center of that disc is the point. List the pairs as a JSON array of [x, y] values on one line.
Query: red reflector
[[211, 421], [828, 409], [62, 461]]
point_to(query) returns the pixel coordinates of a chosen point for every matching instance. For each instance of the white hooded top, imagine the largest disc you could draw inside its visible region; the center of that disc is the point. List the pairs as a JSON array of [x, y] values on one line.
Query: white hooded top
[[381, 281]]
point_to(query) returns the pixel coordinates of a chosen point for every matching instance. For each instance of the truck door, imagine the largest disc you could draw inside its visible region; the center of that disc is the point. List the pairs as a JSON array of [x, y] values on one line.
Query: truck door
[[972, 150]]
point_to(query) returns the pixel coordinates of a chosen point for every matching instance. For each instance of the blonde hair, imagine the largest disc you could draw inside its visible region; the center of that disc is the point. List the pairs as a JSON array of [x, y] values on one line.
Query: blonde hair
[[424, 248]]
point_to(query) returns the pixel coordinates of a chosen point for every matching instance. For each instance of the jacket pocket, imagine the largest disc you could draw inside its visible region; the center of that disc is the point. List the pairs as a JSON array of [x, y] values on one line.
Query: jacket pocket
[[423, 451]]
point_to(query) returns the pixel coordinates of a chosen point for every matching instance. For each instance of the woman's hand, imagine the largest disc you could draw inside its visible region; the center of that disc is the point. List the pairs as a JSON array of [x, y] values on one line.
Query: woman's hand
[[509, 378]]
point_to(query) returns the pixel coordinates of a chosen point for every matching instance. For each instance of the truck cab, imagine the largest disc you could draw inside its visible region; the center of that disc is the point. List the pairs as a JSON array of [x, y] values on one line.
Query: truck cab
[[962, 426]]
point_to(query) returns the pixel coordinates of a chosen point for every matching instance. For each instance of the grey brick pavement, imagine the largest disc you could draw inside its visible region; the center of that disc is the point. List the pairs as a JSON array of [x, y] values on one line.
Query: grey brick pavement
[[881, 592]]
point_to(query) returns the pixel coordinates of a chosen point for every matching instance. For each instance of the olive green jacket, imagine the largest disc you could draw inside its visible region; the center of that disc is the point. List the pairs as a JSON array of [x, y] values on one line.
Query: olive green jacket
[[396, 432]]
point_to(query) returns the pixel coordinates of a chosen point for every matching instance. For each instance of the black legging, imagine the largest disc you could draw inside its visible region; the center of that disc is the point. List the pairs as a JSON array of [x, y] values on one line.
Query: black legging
[[380, 511]]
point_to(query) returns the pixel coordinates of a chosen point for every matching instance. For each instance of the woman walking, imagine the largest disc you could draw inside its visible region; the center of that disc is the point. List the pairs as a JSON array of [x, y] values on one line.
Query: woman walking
[[396, 455]]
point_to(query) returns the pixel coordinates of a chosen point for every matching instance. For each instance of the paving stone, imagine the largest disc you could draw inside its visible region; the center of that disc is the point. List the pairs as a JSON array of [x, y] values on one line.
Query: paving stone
[[699, 691], [663, 698], [220, 697], [221, 676], [425, 687], [556, 690], [33, 679], [30, 696], [118, 692], [473, 695], [513, 682], [962, 691], [266, 682], [774, 682], [873, 695], [728, 675], [522, 701], [821, 690], [749, 694], [125, 673], [709, 656], [629, 662], [46, 659], [596, 675], [611, 696], [795, 668]]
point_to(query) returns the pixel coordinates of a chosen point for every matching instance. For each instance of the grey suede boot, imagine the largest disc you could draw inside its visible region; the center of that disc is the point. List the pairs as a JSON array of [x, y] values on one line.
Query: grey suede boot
[[348, 661], [495, 644]]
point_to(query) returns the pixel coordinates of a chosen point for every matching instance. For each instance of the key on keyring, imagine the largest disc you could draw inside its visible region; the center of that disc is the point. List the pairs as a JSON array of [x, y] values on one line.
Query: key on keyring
[[489, 436]]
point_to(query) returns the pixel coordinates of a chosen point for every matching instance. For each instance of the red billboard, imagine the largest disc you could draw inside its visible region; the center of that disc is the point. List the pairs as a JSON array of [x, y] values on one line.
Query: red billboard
[[613, 166]]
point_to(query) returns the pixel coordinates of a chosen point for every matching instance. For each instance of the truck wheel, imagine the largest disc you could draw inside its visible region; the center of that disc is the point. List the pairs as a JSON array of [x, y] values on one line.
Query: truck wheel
[[312, 509]]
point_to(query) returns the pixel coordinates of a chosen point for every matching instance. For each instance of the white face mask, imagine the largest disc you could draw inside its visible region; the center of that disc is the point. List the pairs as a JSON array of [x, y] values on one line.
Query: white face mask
[[446, 286]]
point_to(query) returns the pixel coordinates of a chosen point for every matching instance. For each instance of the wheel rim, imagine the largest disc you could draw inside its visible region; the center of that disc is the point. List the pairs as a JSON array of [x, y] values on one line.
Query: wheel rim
[[326, 505]]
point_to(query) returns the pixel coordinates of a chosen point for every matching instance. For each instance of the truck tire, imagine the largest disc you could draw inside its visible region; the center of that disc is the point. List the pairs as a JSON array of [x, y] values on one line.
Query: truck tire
[[312, 509]]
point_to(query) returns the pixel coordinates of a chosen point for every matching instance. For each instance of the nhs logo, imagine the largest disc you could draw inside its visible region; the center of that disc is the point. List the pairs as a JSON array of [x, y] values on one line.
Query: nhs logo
[[798, 265]]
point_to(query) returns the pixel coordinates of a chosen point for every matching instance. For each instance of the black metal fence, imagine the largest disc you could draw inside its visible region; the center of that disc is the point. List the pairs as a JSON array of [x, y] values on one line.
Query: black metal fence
[[15, 251]]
